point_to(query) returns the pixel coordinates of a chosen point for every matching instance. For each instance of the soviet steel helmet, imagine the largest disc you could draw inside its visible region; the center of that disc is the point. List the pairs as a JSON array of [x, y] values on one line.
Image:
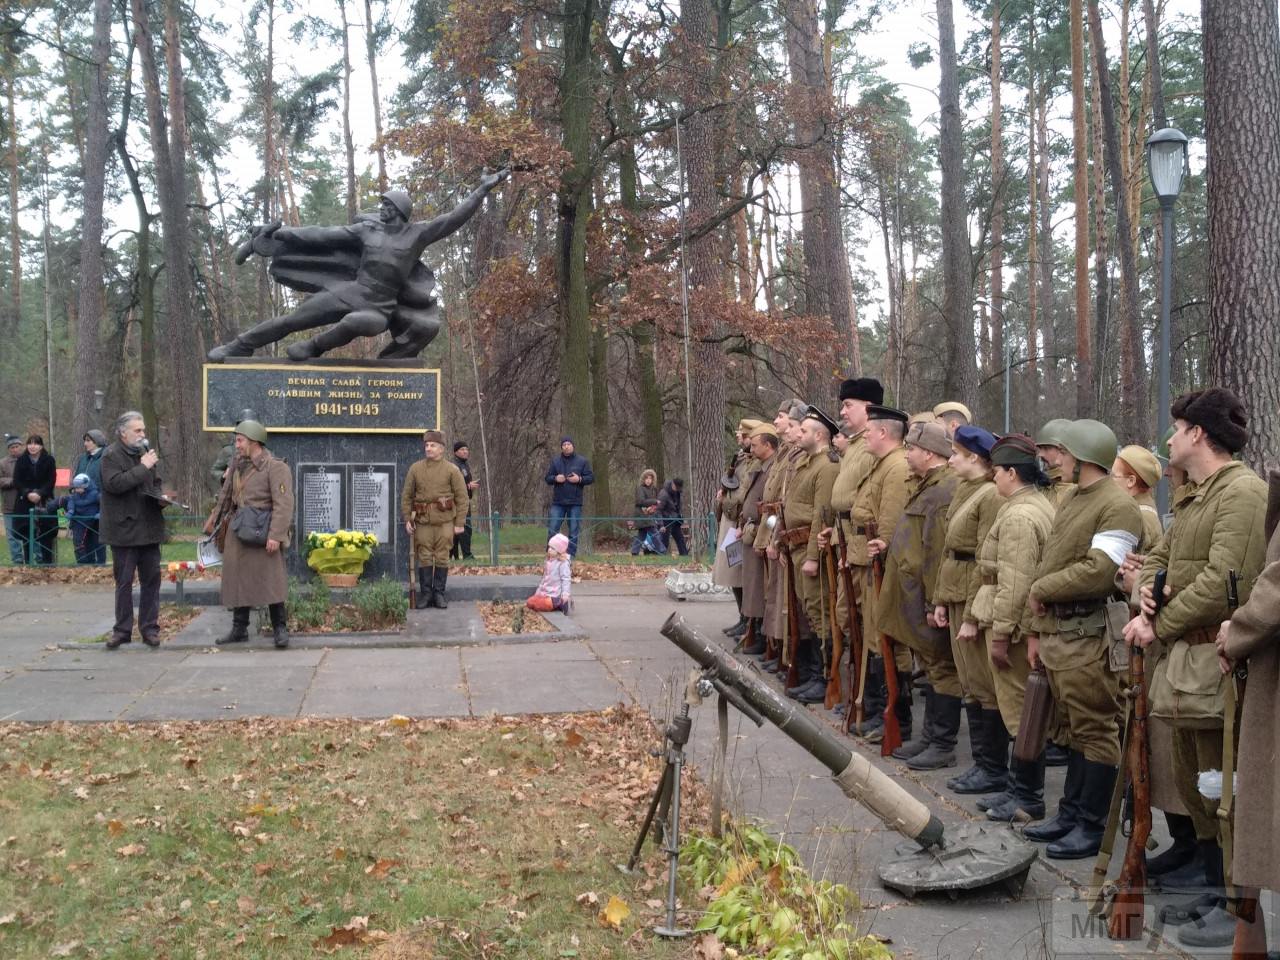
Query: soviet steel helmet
[[1090, 441], [1050, 435], [253, 430], [401, 200], [246, 414]]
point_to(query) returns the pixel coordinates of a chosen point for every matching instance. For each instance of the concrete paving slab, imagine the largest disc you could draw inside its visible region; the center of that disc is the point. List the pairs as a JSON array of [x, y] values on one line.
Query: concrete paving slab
[[417, 682], [545, 681]]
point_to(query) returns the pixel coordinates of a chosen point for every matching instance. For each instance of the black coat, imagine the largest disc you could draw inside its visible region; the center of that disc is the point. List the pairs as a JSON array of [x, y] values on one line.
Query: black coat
[[669, 500], [130, 518], [38, 477]]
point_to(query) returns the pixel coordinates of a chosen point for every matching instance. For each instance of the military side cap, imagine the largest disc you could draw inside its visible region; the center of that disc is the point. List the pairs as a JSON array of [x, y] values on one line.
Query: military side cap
[[862, 388], [924, 416], [746, 426], [764, 430], [1050, 435], [953, 406], [975, 439], [1142, 462], [813, 413], [433, 436], [877, 412], [1218, 412], [1013, 449], [931, 437]]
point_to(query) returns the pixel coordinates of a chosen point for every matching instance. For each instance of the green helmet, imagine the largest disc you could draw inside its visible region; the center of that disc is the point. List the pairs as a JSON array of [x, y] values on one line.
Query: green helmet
[[1050, 435], [253, 430], [1090, 441], [1163, 450]]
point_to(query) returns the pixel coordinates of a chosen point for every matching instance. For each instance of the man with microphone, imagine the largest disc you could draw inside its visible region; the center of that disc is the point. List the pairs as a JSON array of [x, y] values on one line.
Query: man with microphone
[[132, 524]]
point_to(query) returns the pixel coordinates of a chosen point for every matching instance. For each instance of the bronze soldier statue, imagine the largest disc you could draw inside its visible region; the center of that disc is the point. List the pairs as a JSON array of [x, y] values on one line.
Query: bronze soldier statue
[[366, 278]]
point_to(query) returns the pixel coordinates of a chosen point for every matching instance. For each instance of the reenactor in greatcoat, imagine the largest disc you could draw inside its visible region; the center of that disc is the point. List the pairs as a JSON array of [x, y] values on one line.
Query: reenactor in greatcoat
[[434, 506], [1218, 529], [905, 607]]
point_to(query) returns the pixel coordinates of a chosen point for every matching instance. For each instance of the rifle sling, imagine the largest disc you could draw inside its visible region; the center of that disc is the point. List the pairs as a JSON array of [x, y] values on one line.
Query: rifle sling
[[1103, 863]]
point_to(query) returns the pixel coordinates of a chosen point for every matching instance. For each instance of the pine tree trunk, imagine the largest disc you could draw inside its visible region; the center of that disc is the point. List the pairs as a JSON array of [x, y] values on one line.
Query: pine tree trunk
[[960, 381], [97, 143], [146, 281], [1103, 334], [1158, 117], [577, 79], [1080, 189], [1048, 328], [347, 143], [706, 419], [998, 177], [15, 178], [377, 100], [1033, 226], [1135, 419], [1242, 114]]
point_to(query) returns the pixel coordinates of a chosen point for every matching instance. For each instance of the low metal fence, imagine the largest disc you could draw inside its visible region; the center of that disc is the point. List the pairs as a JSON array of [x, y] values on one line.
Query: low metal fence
[[37, 538]]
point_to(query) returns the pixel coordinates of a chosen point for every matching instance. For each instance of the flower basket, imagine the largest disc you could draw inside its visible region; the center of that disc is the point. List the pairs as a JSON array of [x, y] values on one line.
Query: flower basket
[[341, 554]]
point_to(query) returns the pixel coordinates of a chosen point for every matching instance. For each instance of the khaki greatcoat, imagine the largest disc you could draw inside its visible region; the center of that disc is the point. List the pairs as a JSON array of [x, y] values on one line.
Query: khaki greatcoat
[[251, 577], [1255, 635], [753, 565]]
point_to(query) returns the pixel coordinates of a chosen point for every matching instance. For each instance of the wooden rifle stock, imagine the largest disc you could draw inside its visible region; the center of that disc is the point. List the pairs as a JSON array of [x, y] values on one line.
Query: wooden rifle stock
[[892, 739], [853, 631], [837, 638], [1124, 921]]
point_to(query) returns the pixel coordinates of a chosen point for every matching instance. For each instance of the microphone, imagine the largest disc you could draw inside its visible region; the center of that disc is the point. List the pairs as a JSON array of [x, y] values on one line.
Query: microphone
[[146, 444]]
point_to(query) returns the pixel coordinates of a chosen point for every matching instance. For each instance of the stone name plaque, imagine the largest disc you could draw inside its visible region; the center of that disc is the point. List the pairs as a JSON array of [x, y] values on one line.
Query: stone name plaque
[[306, 398], [347, 496]]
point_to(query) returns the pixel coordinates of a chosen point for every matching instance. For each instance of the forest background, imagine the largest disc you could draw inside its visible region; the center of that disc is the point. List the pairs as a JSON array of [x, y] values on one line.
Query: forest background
[[716, 204]]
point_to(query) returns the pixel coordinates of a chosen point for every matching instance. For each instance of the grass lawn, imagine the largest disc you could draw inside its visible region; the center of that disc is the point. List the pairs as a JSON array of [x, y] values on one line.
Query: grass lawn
[[279, 839]]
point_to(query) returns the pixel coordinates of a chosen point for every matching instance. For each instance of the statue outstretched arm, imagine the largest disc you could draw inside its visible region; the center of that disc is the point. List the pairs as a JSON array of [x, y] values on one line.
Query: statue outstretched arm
[[319, 236], [447, 223]]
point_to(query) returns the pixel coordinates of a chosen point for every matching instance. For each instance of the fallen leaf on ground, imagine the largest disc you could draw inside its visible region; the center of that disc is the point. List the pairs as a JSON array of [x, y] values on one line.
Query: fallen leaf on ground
[[246, 906], [132, 849], [614, 912], [399, 720], [588, 899], [381, 868], [573, 738], [115, 827], [708, 947], [64, 949]]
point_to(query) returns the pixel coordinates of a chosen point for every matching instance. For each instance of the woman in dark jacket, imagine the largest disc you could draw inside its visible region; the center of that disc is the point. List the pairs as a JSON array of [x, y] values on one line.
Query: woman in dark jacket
[[33, 477], [669, 505], [646, 508]]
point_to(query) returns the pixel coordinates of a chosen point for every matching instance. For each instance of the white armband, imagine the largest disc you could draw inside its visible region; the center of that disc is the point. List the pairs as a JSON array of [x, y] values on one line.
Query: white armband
[[1116, 544]]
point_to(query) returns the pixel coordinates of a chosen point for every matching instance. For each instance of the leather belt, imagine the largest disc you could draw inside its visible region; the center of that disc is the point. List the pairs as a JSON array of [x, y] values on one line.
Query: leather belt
[[1199, 636], [860, 531], [794, 535], [845, 515], [1076, 609], [963, 555]]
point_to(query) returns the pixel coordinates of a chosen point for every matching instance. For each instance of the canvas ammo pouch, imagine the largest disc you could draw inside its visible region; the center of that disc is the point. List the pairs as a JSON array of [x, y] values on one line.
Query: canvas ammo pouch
[[251, 524], [1117, 614], [1187, 688], [435, 511]]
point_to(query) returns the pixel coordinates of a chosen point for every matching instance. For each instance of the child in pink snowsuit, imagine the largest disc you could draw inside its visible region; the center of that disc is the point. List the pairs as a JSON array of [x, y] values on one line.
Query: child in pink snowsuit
[[553, 592]]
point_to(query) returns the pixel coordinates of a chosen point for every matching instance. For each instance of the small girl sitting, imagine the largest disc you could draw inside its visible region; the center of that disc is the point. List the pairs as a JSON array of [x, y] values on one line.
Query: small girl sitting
[[553, 591]]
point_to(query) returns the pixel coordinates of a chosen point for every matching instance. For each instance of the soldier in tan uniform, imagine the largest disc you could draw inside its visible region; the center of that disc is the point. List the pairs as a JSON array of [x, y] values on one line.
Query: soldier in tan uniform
[[1137, 471], [1218, 526], [728, 506], [787, 423], [972, 511], [1049, 446], [855, 465], [434, 506], [806, 493], [1007, 559], [764, 452], [952, 414], [1094, 529], [879, 502], [905, 607]]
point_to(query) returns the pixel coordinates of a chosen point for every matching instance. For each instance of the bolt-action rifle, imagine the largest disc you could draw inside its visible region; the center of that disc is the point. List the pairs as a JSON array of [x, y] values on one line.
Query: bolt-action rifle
[[892, 739]]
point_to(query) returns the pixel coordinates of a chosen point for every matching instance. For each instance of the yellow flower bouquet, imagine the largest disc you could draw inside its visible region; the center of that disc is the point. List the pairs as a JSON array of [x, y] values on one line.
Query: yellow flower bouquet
[[342, 551]]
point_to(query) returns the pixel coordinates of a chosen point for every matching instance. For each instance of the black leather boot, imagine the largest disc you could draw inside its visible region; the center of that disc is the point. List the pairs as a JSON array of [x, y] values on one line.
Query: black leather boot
[[753, 644], [903, 707], [1065, 819], [873, 702], [279, 625], [941, 751], [977, 744], [919, 744], [993, 773], [438, 598], [1183, 849], [1025, 797], [423, 598], [1091, 821], [1056, 756], [239, 627]]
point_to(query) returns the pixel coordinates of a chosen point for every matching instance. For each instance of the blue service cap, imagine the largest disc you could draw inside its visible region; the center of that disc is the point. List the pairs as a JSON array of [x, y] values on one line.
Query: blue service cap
[[975, 440]]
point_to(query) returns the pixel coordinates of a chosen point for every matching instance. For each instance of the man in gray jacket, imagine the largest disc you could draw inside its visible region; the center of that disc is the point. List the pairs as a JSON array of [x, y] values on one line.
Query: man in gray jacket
[[9, 496], [133, 526]]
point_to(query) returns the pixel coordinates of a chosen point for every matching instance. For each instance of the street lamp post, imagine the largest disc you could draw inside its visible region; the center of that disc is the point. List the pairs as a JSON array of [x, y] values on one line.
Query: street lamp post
[[1166, 164]]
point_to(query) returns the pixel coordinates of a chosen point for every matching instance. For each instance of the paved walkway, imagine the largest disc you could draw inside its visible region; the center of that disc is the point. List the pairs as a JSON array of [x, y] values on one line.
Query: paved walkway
[[622, 658]]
